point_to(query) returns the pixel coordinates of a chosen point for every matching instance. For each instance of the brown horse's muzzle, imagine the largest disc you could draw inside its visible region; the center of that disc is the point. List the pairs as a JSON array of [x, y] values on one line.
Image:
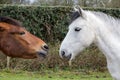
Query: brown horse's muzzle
[[44, 51]]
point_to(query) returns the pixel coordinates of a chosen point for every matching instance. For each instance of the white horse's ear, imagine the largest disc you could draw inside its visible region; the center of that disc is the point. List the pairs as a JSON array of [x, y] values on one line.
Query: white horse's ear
[[77, 8], [80, 11]]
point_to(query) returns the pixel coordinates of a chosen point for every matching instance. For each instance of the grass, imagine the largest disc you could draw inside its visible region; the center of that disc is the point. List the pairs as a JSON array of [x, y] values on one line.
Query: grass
[[53, 75]]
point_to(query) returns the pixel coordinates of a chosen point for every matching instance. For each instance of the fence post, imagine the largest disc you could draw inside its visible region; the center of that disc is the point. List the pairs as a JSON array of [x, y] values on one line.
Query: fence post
[[8, 62]]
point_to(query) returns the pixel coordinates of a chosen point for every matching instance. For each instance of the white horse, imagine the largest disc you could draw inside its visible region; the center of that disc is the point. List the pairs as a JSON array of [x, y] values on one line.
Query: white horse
[[89, 27]]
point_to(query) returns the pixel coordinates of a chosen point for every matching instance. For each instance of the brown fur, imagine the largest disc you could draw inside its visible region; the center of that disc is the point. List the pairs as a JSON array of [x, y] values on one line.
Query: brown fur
[[14, 43]]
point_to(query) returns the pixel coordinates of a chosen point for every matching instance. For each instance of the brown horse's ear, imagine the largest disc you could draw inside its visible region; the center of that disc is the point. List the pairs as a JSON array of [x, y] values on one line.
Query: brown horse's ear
[[2, 29]]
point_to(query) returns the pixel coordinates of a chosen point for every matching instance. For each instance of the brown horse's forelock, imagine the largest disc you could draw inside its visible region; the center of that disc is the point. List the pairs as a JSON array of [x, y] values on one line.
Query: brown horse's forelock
[[10, 21]]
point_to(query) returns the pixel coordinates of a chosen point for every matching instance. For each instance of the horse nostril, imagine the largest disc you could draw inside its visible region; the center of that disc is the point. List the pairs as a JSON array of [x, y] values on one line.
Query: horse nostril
[[67, 57], [63, 53], [45, 47]]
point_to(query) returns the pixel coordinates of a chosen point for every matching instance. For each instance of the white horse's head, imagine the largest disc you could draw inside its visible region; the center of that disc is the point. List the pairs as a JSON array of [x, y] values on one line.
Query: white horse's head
[[79, 36]]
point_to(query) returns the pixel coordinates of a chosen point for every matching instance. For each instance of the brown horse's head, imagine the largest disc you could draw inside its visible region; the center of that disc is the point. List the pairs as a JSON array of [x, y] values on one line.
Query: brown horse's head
[[15, 41]]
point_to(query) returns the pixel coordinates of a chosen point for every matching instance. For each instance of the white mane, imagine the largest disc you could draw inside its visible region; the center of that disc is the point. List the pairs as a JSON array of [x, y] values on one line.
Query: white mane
[[113, 23], [108, 40]]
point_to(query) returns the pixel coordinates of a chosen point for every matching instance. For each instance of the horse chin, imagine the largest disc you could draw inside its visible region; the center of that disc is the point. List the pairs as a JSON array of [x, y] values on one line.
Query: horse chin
[[74, 55], [72, 58]]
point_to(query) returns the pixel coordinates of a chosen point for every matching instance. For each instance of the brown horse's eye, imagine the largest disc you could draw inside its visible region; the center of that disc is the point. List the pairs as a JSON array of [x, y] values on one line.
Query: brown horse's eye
[[22, 33], [18, 33], [2, 29], [12, 33]]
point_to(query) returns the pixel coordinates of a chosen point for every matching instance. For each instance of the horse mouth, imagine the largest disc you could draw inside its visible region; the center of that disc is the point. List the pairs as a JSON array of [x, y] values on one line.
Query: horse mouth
[[42, 54]]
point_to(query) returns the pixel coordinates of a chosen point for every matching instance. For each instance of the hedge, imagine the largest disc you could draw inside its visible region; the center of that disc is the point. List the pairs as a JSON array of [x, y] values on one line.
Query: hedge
[[48, 23]]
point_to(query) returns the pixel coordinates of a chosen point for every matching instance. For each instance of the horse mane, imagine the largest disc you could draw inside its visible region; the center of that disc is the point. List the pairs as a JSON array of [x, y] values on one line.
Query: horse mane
[[10, 21], [112, 23], [105, 17], [74, 16], [101, 15]]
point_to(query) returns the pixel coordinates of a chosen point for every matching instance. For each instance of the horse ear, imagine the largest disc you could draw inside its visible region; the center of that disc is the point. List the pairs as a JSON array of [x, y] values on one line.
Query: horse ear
[[79, 10]]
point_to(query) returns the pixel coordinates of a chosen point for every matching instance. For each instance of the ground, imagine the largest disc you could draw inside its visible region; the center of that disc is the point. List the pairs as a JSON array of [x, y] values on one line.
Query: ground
[[53, 75]]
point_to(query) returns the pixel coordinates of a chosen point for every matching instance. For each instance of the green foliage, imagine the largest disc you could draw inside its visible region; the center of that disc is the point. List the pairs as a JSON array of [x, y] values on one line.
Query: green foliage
[[49, 23], [5, 1]]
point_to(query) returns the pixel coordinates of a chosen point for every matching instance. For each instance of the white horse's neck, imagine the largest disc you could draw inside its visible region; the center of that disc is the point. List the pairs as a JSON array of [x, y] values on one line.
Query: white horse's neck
[[107, 36], [108, 41]]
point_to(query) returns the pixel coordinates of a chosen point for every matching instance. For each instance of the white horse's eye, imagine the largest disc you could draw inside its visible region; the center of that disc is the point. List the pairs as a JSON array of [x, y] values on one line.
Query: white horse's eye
[[77, 29]]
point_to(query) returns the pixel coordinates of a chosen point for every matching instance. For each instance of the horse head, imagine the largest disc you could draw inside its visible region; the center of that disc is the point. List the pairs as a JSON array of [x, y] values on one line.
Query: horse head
[[79, 36], [16, 41]]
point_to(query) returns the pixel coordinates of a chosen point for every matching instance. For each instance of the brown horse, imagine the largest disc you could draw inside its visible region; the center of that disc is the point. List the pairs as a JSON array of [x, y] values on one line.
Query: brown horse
[[15, 41]]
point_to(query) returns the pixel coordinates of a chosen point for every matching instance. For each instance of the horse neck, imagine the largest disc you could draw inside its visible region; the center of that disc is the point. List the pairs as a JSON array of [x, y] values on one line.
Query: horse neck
[[107, 41]]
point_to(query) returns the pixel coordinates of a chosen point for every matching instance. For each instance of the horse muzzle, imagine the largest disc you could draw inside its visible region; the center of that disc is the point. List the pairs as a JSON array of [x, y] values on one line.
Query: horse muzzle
[[45, 47], [64, 55], [44, 51]]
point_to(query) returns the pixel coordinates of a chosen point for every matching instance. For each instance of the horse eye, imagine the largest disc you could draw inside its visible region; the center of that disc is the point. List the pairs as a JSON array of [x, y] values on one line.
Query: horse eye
[[2, 29], [77, 29], [22, 33]]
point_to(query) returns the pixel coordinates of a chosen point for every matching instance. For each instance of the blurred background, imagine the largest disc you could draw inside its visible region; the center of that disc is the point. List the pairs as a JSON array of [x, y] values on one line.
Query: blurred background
[[83, 3]]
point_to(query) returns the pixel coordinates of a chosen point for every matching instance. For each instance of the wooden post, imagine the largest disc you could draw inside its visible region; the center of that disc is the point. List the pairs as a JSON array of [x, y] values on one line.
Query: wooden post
[[8, 62]]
